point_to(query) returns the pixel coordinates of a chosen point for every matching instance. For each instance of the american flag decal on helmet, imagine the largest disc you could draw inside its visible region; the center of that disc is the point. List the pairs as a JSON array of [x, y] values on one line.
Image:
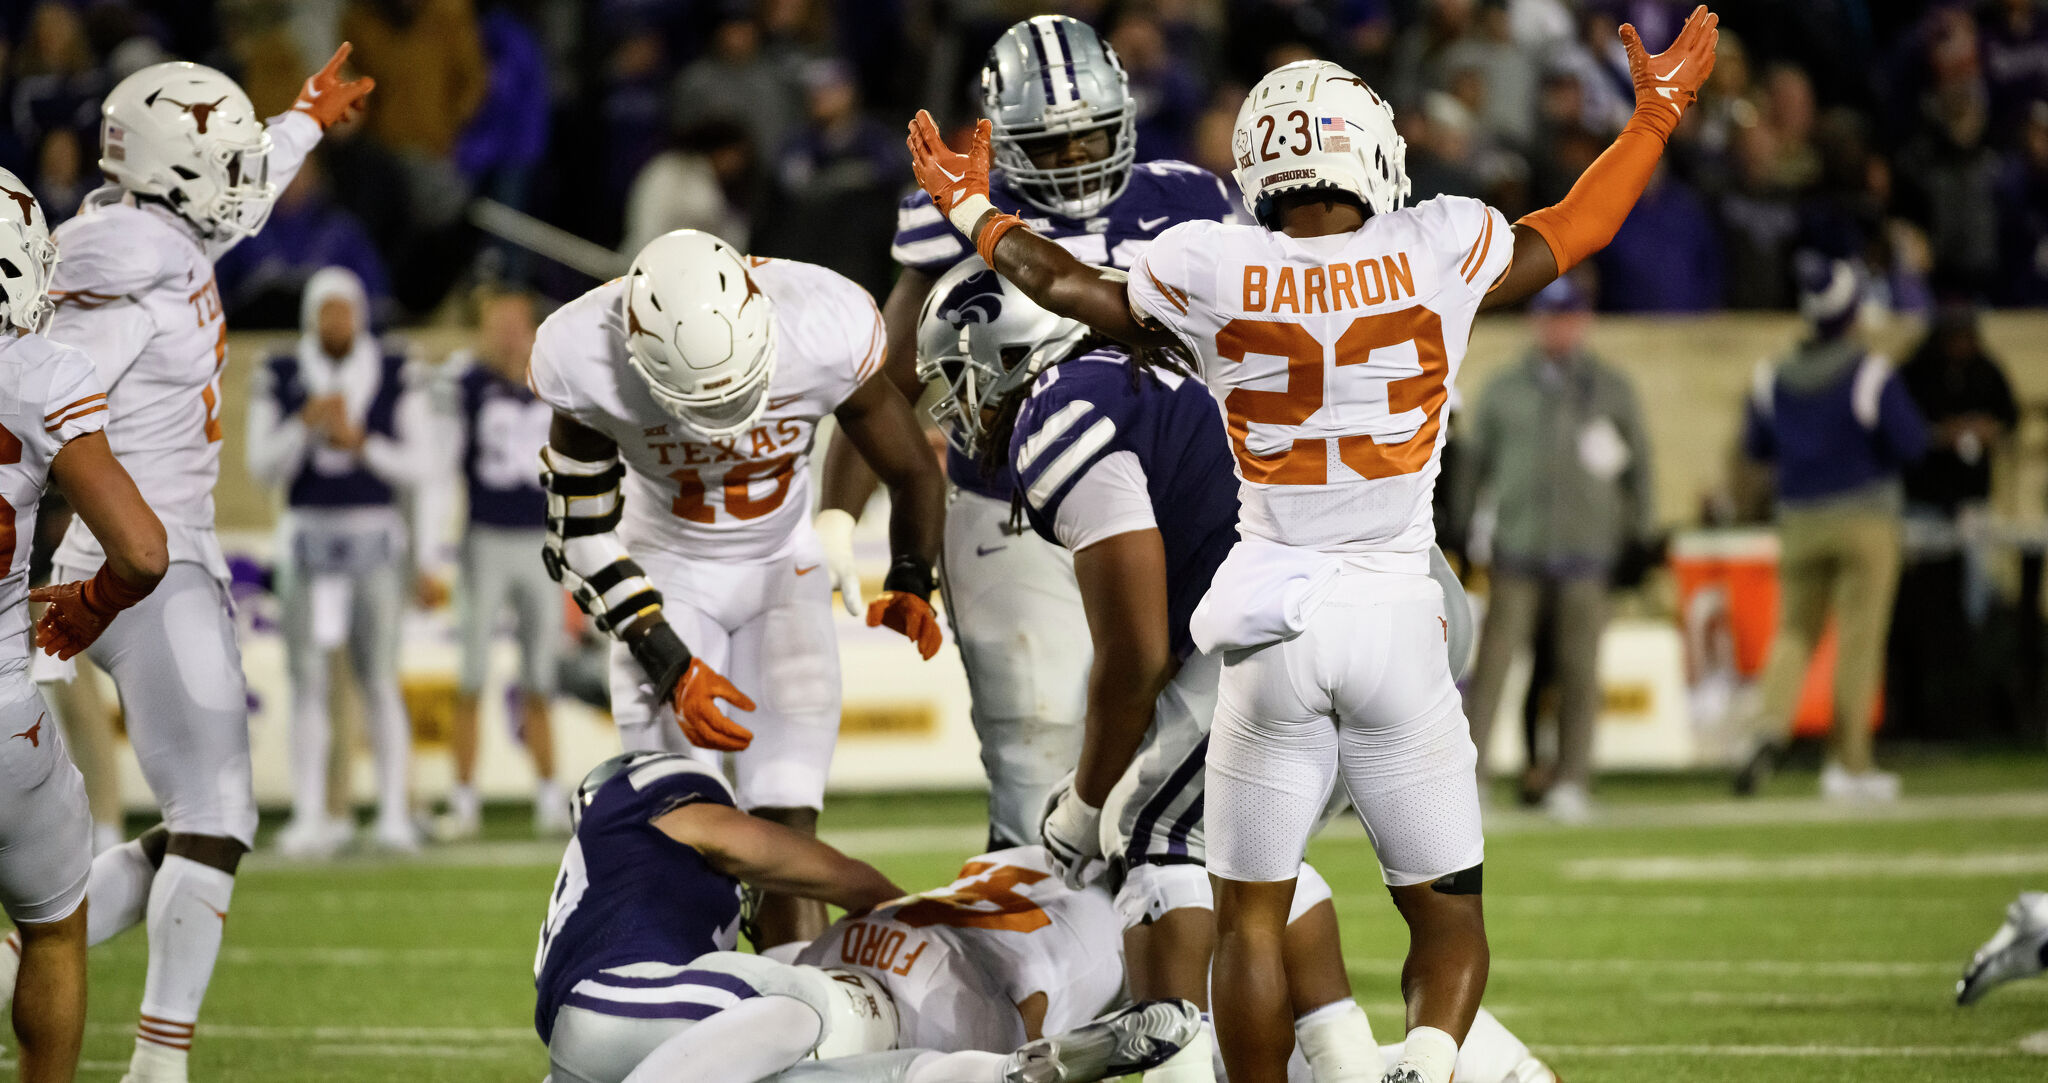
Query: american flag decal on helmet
[[1336, 134]]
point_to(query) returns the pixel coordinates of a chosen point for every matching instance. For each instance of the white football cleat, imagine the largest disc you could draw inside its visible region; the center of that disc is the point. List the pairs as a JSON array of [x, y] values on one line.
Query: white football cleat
[[396, 835], [1133, 1039], [1871, 787], [551, 812], [1568, 803], [2014, 951], [312, 840]]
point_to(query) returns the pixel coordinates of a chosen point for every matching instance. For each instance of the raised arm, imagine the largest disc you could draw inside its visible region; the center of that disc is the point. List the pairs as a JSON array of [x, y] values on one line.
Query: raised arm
[[1553, 240], [877, 420], [775, 858], [581, 471], [1047, 273]]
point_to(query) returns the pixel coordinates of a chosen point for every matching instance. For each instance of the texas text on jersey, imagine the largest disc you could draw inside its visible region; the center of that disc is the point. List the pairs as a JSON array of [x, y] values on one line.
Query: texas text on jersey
[[741, 499]]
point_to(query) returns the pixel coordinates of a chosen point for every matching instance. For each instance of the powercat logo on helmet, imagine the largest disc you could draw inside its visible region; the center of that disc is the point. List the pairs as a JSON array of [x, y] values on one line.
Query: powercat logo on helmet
[[977, 299], [1287, 175]]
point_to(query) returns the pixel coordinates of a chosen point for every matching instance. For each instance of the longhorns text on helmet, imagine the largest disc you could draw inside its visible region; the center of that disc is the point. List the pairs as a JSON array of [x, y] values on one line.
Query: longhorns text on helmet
[[187, 135], [1052, 76], [699, 332], [1313, 124], [27, 257], [986, 340]]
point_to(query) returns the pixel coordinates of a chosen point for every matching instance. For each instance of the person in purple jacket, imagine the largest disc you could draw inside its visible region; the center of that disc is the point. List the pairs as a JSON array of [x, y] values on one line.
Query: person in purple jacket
[[1838, 428]]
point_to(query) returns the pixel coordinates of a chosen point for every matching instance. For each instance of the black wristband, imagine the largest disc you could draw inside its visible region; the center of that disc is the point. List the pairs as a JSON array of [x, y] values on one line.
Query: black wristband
[[911, 575], [662, 655]]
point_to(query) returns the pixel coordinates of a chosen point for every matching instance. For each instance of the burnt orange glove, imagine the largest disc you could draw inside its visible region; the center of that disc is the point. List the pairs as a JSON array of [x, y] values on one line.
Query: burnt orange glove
[[328, 98], [79, 611], [703, 724], [1669, 82], [1592, 212], [904, 612], [958, 183]]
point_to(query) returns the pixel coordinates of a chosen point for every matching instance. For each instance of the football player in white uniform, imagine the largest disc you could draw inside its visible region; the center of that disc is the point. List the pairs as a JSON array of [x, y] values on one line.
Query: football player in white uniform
[[193, 171], [52, 413], [1330, 333], [686, 397]]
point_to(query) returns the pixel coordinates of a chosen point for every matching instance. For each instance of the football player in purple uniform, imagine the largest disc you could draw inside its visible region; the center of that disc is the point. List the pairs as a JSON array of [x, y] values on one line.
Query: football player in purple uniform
[[1064, 126]]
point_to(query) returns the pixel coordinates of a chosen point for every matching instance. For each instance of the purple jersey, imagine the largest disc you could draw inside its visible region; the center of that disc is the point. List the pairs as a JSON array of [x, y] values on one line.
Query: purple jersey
[[504, 426], [320, 482], [628, 893], [1084, 410], [1161, 194]]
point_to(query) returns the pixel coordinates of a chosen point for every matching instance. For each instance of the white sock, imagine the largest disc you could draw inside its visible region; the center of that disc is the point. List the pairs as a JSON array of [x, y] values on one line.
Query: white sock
[[1490, 1051], [117, 892], [10, 966], [549, 792], [188, 910], [1431, 1052], [1195, 1063], [391, 738], [312, 733], [464, 802], [1336, 1040]]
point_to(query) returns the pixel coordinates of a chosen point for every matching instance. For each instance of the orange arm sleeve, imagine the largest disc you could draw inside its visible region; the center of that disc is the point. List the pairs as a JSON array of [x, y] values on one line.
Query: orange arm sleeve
[[1592, 212]]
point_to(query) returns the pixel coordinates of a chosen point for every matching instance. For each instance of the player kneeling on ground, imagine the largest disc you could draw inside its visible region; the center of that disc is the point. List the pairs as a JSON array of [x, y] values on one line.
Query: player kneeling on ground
[[637, 980], [686, 398], [52, 413]]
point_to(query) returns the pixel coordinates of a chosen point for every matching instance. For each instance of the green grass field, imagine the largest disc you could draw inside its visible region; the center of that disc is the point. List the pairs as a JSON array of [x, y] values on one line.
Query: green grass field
[[1682, 937]]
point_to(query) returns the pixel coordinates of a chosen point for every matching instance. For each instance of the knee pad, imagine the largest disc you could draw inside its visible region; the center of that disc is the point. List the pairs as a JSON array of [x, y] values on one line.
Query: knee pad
[[857, 1010], [1149, 892], [1310, 889]]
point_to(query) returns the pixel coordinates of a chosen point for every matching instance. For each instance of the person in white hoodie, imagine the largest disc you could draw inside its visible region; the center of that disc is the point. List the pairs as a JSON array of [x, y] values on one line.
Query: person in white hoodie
[[338, 426]]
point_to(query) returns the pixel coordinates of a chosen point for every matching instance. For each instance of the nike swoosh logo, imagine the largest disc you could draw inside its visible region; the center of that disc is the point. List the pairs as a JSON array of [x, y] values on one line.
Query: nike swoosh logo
[[1150, 224], [777, 404], [807, 571], [984, 550], [1673, 73]]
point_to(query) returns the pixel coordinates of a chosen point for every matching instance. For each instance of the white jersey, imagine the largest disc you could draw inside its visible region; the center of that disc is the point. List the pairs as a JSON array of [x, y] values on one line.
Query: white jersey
[[959, 959], [1332, 358], [745, 499], [49, 395], [135, 291]]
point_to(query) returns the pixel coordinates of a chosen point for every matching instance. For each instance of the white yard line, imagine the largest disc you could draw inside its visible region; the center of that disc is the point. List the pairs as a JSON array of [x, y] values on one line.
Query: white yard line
[[1779, 968], [967, 839], [1927, 1052], [1920, 865], [245, 1032]]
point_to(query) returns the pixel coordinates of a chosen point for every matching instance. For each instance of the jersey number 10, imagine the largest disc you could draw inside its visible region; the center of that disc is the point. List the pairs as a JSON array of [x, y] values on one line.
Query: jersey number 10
[[1306, 462]]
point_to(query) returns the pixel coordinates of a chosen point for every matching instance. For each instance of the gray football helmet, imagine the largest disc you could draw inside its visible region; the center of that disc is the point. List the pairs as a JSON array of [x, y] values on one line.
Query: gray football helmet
[[985, 340], [1050, 76]]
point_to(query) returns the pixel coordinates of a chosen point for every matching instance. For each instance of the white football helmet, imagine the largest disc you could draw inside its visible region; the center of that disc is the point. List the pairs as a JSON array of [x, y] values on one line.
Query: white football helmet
[[700, 332], [27, 257], [187, 135], [1312, 124]]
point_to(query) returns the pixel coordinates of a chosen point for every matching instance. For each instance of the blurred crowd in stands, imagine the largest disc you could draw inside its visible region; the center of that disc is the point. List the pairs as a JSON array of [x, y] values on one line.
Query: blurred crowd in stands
[[1911, 136]]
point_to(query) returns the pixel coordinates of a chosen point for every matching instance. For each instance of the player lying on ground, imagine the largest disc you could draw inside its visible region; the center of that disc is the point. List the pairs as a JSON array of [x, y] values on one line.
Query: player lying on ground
[[638, 983], [1008, 951], [1122, 459], [1335, 327], [192, 171], [2019, 949], [52, 416], [686, 396], [1064, 141]]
